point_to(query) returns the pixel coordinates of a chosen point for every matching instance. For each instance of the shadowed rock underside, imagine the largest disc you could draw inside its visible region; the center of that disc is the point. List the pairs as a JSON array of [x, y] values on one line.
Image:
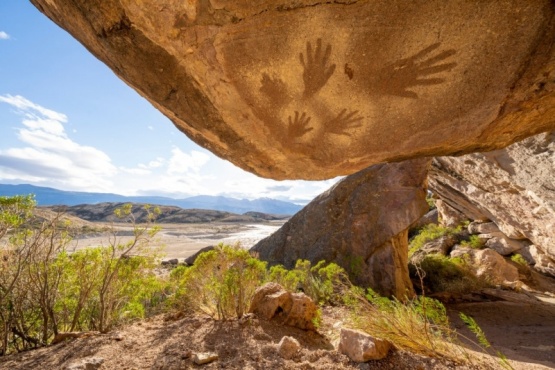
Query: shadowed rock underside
[[307, 89]]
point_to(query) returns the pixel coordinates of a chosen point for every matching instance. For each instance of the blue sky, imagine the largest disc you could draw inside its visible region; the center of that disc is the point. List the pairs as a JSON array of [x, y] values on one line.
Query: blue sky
[[66, 121]]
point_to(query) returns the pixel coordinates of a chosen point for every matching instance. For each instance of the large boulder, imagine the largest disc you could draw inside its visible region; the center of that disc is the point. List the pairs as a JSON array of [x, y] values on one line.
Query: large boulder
[[361, 224], [513, 187], [306, 89]]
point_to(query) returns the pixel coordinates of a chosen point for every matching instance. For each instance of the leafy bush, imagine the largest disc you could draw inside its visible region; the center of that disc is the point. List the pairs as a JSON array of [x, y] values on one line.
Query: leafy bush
[[518, 259], [324, 282], [221, 283], [473, 242], [46, 290], [441, 273], [431, 232]]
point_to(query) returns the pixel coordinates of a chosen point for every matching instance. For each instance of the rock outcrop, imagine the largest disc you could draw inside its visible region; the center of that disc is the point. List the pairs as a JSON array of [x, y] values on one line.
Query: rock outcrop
[[361, 224], [514, 188], [307, 89]]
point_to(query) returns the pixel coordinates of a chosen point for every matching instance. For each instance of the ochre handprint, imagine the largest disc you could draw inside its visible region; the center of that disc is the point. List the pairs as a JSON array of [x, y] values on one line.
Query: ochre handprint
[[298, 125], [343, 122], [275, 89], [398, 77], [316, 70]]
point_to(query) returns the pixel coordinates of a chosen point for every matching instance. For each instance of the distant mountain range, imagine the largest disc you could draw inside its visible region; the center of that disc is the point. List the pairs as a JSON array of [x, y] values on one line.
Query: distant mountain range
[[49, 196]]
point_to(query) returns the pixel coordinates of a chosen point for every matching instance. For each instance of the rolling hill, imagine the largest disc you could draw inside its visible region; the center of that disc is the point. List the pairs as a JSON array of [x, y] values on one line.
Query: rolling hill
[[49, 197]]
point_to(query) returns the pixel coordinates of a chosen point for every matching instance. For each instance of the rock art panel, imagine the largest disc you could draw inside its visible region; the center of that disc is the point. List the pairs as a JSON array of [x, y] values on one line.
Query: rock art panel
[[361, 224], [293, 89]]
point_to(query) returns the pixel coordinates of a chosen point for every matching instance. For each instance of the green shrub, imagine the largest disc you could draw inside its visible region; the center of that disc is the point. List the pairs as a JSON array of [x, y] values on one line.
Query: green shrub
[[474, 242], [518, 259], [431, 232], [441, 273], [45, 290], [324, 282], [419, 325], [221, 283]]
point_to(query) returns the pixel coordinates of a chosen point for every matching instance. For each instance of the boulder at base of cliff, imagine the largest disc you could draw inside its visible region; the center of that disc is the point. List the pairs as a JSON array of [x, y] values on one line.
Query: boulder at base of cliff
[[361, 224]]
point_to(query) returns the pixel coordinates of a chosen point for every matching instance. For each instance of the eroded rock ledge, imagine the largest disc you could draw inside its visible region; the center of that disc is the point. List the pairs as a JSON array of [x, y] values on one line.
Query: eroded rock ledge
[[513, 187], [303, 89]]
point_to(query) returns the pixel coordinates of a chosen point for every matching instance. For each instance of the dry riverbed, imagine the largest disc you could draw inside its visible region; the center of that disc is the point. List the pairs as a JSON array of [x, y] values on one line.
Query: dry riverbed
[[182, 240]]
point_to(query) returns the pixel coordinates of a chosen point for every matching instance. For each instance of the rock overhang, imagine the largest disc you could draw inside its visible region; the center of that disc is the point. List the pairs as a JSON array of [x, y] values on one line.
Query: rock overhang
[[312, 90]]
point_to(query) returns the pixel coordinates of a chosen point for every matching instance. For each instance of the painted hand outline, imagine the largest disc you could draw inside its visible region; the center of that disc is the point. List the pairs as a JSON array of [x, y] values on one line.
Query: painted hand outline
[[316, 70], [343, 122], [275, 89], [297, 126], [397, 78]]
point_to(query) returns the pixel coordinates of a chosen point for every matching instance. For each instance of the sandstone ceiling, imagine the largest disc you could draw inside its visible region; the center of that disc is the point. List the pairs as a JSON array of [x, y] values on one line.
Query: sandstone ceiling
[[292, 89]]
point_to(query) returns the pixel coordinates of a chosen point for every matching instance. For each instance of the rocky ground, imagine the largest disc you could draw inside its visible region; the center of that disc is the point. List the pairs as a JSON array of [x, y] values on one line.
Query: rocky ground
[[524, 333], [520, 325]]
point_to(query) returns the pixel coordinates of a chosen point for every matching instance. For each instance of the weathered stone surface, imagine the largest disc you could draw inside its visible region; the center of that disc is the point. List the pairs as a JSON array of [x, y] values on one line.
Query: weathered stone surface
[[361, 224], [288, 347], [477, 227], [269, 300], [503, 245], [315, 89], [293, 309], [542, 262], [362, 347], [513, 187], [492, 266], [429, 218], [448, 216], [204, 358]]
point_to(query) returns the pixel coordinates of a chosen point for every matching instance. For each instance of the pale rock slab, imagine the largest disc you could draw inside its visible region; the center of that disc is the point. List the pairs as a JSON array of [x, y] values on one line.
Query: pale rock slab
[[476, 227], [491, 265], [362, 347], [204, 358]]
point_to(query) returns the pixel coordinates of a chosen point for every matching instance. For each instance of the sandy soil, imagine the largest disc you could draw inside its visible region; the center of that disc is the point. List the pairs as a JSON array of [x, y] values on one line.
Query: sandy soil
[[524, 332], [166, 343]]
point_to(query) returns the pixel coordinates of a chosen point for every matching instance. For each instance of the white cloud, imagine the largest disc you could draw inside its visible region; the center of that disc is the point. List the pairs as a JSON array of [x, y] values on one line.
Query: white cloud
[[30, 108], [181, 163], [4, 35], [158, 162], [49, 155], [150, 128]]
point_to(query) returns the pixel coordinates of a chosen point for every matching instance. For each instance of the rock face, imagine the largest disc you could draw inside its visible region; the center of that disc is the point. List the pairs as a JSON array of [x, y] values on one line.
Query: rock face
[[314, 89], [361, 224], [513, 187]]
